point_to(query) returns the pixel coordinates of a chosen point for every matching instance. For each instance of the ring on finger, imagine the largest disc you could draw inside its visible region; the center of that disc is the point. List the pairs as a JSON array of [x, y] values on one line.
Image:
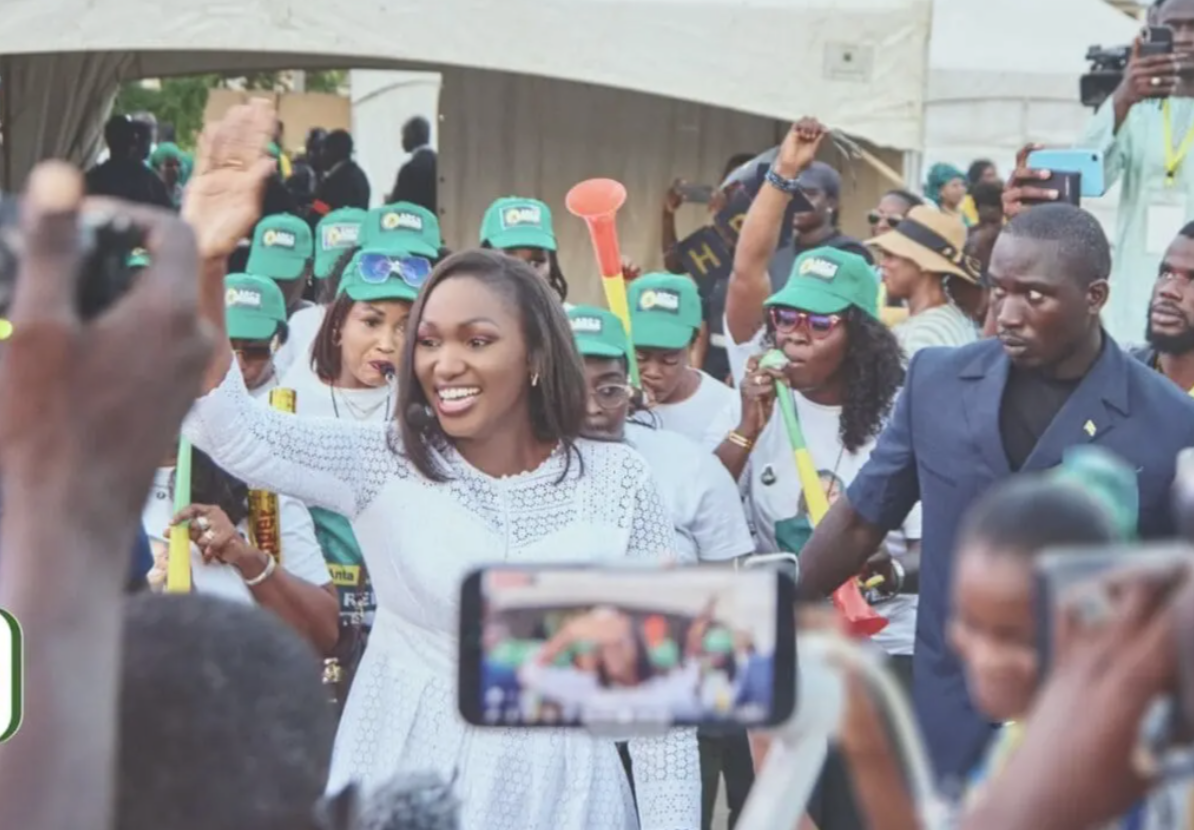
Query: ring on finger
[[760, 380], [208, 537], [202, 523], [1154, 81]]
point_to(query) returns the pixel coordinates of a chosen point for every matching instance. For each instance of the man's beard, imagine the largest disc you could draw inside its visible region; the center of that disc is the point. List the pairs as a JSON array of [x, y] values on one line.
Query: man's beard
[[1170, 343]]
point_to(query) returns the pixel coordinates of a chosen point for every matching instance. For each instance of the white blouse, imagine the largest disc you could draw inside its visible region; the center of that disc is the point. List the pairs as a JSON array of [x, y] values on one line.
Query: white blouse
[[420, 538]]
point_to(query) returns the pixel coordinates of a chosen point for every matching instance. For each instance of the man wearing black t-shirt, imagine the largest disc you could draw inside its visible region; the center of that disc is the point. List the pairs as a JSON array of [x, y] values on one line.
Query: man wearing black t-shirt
[[818, 228], [971, 416]]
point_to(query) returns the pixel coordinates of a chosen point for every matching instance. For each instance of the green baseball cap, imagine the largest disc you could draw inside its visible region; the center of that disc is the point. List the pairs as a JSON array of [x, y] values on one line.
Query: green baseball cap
[[719, 641], [598, 333], [514, 222], [383, 275], [665, 311], [335, 233], [254, 307], [403, 228], [282, 247], [666, 655], [1107, 479], [828, 281]]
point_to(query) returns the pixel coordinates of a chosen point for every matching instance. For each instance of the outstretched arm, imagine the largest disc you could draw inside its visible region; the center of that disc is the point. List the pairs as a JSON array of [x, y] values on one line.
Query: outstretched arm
[[322, 462]]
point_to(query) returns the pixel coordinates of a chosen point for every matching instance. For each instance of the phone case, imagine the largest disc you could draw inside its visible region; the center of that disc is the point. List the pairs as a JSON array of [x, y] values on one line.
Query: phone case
[[1088, 163], [1067, 185]]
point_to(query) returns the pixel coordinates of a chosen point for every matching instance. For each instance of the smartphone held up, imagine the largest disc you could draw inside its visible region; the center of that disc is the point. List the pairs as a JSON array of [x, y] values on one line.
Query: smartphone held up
[[627, 650]]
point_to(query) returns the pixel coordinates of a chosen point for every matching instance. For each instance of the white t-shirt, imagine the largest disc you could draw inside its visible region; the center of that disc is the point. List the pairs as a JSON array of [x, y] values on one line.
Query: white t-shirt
[[707, 416], [316, 399], [304, 325], [943, 325], [773, 493], [301, 556], [698, 491]]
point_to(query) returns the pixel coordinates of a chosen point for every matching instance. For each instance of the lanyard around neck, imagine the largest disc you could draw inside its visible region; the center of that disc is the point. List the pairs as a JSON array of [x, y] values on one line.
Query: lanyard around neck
[[1174, 158]]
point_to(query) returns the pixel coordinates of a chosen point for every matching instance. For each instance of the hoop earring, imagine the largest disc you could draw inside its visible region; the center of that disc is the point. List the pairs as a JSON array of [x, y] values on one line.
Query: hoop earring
[[535, 379]]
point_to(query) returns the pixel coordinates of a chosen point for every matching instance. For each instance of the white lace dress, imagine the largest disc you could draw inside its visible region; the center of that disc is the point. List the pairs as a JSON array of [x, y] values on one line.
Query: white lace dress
[[419, 540]]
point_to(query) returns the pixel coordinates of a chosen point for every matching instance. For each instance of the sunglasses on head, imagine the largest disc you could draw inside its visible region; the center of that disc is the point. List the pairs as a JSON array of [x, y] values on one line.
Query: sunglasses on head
[[377, 268], [787, 320]]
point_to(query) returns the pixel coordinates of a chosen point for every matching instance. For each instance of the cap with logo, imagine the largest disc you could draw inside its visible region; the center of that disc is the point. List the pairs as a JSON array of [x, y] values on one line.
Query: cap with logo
[[598, 332], [335, 233], [828, 281], [384, 275], [282, 247], [514, 222], [254, 307], [665, 311], [403, 228]]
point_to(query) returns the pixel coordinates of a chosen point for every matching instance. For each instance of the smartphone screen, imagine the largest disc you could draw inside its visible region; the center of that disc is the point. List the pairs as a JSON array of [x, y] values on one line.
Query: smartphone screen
[[627, 648], [1064, 569], [699, 194]]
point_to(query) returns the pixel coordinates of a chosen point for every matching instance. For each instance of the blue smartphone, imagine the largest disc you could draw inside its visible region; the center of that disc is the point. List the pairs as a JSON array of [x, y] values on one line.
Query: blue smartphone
[[1085, 162]]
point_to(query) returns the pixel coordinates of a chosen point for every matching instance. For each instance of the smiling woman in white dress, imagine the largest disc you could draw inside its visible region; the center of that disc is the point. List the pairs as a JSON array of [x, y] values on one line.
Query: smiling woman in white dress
[[484, 465]]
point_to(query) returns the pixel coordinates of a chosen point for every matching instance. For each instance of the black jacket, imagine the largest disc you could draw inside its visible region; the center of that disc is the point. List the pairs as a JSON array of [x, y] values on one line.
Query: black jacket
[[130, 180], [417, 181], [346, 186]]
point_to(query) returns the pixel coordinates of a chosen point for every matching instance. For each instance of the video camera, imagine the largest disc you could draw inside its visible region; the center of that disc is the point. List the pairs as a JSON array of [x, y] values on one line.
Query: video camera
[[1107, 65]]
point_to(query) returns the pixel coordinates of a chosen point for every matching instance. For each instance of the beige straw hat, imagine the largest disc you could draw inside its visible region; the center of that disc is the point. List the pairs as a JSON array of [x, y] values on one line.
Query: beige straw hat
[[935, 241]]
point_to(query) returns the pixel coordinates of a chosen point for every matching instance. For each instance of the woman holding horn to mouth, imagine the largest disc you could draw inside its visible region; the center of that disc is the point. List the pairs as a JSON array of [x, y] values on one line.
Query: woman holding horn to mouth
[[842, 368]]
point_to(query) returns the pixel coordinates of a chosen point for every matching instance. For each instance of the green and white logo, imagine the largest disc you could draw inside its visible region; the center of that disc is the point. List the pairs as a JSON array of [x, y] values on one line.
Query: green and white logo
[[12, 675]]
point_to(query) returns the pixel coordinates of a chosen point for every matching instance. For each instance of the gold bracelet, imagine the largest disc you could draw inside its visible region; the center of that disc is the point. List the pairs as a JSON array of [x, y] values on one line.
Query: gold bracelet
[[739, 440]]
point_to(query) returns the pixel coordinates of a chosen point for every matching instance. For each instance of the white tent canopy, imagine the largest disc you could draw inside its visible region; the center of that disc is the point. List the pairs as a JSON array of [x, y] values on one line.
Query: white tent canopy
[[536, 94], [1005, 73], [743, 55]]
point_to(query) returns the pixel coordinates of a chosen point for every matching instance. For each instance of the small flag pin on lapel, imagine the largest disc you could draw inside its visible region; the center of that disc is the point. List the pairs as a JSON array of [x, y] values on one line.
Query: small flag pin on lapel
[[1090, 428]]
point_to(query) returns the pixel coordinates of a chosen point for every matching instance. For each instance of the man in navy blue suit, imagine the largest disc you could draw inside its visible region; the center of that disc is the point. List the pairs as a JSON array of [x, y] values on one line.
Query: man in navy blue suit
[[971, 416]]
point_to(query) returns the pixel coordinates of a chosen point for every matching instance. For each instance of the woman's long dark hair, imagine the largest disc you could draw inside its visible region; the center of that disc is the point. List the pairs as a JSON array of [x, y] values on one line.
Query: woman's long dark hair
[[872, 372], [644, 670], [326, 360], [555, 276], [557, 401]]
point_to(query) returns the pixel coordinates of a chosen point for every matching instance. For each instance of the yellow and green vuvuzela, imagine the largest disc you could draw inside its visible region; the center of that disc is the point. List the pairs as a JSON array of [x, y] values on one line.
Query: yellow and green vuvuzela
[[12, 675], [810, 482], [178, 560]]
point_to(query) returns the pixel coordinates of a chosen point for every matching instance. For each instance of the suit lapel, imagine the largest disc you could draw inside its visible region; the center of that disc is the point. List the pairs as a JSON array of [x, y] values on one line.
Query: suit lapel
[[1094, 408], [982, 390]]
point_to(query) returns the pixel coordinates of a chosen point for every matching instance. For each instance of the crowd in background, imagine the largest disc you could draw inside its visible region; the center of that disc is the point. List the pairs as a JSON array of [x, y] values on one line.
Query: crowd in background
[[964, 405]]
